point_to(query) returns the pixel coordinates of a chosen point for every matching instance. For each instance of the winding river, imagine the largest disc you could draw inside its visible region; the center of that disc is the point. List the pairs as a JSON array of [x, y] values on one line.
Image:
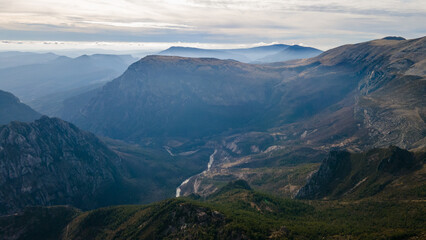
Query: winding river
[[209, 165]]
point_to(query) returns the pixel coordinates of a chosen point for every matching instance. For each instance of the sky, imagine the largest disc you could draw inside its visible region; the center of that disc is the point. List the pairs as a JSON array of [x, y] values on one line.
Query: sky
[[129, 25]]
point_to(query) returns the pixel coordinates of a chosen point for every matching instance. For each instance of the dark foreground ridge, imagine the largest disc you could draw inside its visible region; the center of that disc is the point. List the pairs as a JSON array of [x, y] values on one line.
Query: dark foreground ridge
[[237, 213]]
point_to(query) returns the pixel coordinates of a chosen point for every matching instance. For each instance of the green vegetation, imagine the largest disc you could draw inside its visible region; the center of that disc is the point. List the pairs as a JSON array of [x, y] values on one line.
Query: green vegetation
[[238, 212]]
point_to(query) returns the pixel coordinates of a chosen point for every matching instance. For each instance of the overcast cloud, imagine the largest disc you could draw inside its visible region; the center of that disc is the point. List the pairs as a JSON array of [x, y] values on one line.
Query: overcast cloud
[[322, 24]]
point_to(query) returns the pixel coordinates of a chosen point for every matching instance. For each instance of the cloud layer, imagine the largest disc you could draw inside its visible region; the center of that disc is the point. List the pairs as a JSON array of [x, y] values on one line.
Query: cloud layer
[[323, 24]]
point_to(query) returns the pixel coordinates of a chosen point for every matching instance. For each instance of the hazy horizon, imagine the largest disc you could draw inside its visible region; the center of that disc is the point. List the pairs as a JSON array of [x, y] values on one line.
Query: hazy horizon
[[126, 26], [73, 49]]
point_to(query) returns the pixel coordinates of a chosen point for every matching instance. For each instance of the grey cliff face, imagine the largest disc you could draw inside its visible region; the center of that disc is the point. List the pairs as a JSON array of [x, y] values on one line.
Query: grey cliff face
[[333, 170]]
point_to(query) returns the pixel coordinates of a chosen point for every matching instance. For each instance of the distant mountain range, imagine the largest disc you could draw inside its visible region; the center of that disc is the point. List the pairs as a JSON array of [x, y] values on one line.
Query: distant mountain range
[[15, 59], [53, 80], [262, 54]]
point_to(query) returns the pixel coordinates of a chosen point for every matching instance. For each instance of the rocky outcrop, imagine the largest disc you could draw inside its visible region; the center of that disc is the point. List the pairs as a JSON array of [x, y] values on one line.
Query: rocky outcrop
[[358, 175], [52, 162], [333, 170]]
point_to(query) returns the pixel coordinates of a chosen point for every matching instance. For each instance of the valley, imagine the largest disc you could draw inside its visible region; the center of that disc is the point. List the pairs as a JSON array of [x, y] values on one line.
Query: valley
[[218, 145]]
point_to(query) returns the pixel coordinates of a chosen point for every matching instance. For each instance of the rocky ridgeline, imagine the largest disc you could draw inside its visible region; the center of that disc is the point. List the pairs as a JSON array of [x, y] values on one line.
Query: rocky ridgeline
[[359, 175]]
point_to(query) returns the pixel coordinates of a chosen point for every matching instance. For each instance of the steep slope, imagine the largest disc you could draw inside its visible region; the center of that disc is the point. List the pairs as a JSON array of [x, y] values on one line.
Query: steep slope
[[386, 104], [11, 109], [390, 99], [51, 162], [390, 171]]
